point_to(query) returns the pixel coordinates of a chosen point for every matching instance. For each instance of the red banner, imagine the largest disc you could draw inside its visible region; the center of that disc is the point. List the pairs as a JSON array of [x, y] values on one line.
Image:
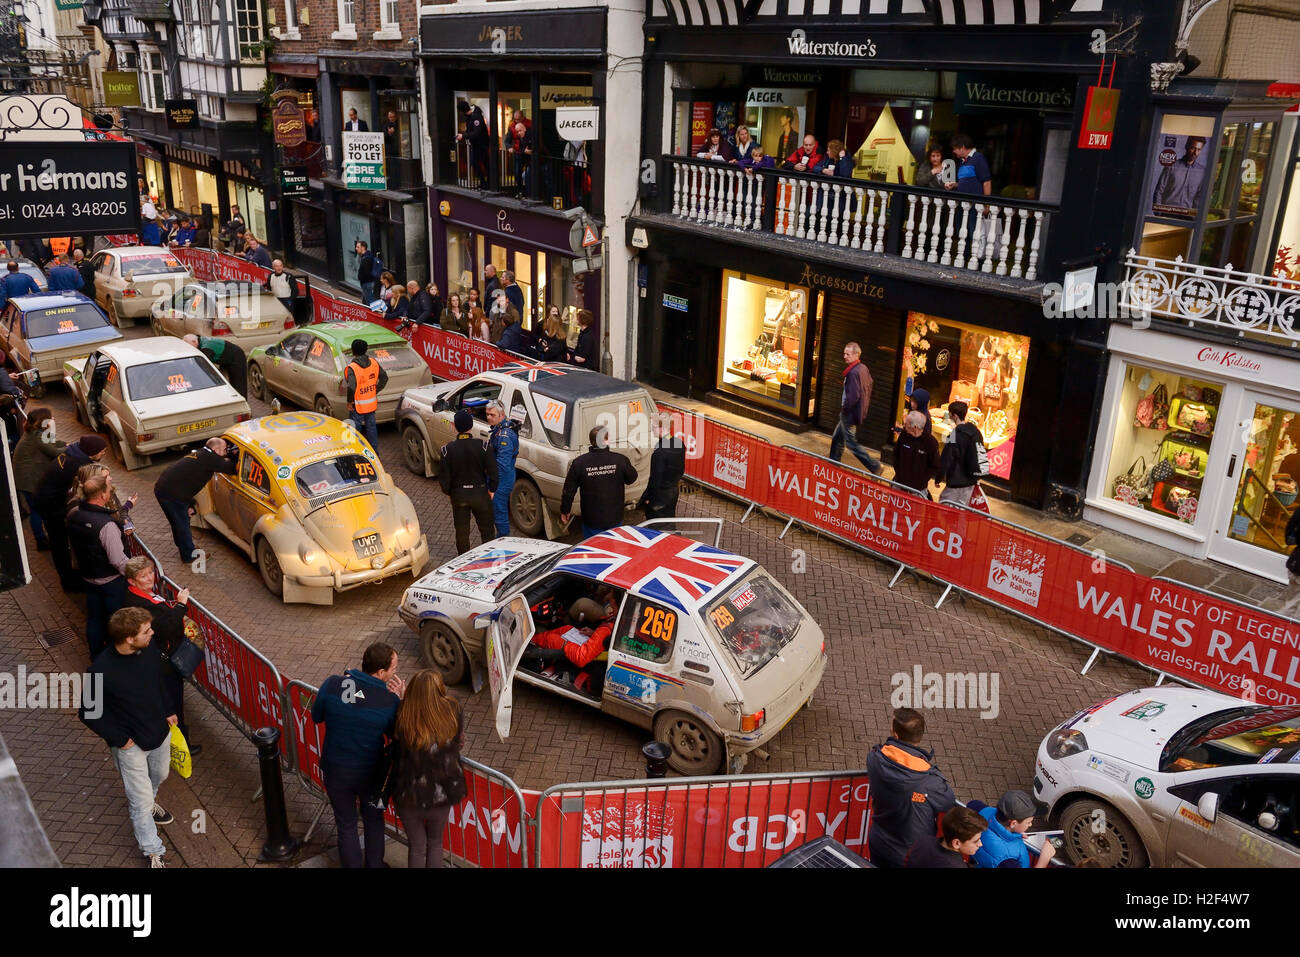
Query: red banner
[[1203, 639], [210, 266], [740, 824]]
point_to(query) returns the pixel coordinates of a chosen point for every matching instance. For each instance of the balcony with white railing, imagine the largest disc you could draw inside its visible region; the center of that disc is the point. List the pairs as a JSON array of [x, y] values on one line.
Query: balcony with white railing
[[983, 234], [1247, 305]]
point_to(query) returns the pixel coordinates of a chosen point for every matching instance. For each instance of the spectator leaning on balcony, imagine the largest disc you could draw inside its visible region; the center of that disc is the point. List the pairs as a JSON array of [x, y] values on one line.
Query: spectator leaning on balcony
[[805, 157], [973, 175], [938, 173], [476, 135], [759, 160], [836, 162], [744, 144], [715, 147], [355, 125]]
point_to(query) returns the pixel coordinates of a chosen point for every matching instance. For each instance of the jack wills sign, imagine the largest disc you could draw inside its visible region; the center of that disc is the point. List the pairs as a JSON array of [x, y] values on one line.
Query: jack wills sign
[[580, 33]]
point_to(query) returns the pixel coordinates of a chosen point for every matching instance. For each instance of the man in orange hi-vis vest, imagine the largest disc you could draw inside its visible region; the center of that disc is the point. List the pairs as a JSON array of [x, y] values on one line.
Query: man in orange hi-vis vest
[[364, 379]]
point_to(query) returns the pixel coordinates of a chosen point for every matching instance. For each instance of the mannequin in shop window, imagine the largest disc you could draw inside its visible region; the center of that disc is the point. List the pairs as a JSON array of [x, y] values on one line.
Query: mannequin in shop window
[[987, 352], [788, 141]]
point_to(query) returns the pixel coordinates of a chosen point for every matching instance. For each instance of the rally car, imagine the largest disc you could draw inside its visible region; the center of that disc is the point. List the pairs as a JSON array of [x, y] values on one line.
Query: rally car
[[44, 331], [239, 312], [306, 367], [559, 405], [152, 394], [130, 279], [313, 507], [1176, 777], [707, 649]]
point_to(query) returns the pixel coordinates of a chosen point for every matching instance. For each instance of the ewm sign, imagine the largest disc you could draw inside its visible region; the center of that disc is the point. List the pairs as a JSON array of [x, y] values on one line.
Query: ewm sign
[[53, 189]]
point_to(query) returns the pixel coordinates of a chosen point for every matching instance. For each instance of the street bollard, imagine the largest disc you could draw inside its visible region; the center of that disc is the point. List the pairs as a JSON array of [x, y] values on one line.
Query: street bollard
[[656, 759], [279, 845]]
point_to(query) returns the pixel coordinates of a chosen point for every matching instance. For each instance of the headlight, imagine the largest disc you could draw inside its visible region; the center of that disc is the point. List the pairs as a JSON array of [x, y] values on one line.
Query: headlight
[[307, 554], [1065, 742]]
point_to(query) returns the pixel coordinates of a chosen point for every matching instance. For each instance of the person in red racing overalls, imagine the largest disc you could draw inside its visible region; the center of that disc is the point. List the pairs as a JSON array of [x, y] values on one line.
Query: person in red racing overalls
[[580, 650]]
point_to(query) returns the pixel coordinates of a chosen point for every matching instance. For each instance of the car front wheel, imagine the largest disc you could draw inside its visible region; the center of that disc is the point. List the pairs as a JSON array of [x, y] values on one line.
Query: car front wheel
[[323, 407], [441, 650], [257, 383], [696, 748], [526, 505], [269, 565], [413, 449], [1096, 831]]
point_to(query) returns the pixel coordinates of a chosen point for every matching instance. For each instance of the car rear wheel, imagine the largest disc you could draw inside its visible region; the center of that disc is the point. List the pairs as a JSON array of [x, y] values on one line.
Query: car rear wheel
[[526, 506], [413, 449], [1095, 830], [323, 406], [441, 650], [156, 326], [113, 316], [696, 748], [269, 566], [257, 383]]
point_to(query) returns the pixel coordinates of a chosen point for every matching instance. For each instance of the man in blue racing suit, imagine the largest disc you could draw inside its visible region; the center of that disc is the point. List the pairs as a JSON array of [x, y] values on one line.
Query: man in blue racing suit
[[503, 442]]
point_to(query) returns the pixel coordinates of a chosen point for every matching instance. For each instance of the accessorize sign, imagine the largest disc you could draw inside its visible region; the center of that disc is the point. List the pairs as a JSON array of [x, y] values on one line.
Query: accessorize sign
[[56, 189], [363, 160]]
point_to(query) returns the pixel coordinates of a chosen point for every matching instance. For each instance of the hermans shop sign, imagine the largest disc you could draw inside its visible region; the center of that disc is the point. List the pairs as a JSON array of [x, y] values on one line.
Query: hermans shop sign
[[57, 189]]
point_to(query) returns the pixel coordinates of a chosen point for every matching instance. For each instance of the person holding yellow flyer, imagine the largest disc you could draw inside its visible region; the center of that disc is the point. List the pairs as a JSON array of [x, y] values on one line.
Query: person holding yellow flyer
[[129, 705]]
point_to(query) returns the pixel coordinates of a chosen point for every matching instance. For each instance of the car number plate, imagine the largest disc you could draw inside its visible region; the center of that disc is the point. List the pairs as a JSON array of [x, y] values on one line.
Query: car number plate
[[255, 325], [368, 545], [195, 426]]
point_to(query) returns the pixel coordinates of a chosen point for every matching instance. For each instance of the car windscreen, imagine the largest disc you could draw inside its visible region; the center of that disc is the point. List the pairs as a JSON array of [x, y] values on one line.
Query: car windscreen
[[171, 377], [754, 620], [392, 357], [151, 265], [334, 475], [55, 322], [1257, 735]]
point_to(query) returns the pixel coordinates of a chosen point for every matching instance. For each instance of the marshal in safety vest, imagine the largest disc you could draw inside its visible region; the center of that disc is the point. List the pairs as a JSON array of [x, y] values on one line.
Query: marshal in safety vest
[[367, 394]]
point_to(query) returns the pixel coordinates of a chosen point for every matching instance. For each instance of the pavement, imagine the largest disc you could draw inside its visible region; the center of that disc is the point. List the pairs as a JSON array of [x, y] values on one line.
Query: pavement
[[872, 635]]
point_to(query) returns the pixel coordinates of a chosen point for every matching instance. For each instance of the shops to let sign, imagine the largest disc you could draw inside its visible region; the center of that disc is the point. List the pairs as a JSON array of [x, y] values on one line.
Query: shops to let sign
[[363, 160], [1099, 113]]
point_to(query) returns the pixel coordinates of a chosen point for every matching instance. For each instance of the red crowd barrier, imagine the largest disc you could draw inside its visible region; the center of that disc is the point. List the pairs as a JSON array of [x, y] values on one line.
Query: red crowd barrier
[[712, 822], [1165, 625]]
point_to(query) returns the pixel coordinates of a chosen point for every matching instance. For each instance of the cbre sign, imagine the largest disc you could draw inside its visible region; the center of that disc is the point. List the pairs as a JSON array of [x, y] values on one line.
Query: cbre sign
[[54, 189]]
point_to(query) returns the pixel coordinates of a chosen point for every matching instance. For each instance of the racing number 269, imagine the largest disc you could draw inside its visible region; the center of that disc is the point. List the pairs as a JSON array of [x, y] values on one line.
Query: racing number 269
[[658, 623]]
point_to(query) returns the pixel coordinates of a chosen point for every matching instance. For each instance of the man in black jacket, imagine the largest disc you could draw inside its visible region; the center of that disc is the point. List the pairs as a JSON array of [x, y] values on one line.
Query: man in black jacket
[[907, 791], [52, 501], [960, 459], [133, 717], [421, 309], [181, 481], [599, 475], [99, 546], [366, 277], [667, 466], [467, 472], [87, 270], [476, 134]]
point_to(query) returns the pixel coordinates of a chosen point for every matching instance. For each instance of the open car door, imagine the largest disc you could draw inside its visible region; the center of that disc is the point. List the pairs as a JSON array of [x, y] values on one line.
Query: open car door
[[706, 530], [509, 633]]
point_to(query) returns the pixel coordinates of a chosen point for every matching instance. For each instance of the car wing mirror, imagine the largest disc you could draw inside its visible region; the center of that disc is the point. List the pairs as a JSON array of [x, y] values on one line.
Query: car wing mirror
[[272, 350], [130, 275], [1208, 806], [485, 618]]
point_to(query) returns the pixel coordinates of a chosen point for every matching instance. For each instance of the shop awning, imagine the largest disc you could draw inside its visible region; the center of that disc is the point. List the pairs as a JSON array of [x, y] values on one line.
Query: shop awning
[[311, 69]]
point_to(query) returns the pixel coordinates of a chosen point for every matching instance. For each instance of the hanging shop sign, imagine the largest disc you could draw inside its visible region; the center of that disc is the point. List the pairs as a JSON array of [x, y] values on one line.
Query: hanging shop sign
[[553, 96], [363, 160], [798, 43], [182, 114], [1099, 112], [121, 88], [579, 33], [1039, 92], [293, 182], [289, 122], [578, 124], [68, 189]]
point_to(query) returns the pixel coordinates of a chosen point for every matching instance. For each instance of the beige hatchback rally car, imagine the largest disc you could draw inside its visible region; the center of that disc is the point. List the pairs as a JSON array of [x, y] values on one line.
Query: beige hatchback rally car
[[130, 279], [559, 404]]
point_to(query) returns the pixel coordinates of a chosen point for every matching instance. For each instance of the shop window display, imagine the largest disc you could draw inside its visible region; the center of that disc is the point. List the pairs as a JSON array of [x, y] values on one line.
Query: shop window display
[[984, 368], [1267, 491], [1162, 441], [763, 325]]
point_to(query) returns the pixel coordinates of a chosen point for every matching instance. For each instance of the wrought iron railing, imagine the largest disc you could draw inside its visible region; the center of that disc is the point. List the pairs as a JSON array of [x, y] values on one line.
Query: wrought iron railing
[[1250, 305], [979, 233]]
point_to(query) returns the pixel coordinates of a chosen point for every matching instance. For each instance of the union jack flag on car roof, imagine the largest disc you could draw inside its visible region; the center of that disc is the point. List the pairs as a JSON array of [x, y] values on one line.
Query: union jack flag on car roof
[[532, 371], [668, 568]]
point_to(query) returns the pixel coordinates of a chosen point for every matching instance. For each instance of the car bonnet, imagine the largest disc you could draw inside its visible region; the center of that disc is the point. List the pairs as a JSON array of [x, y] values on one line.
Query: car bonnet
[[1137, 725]]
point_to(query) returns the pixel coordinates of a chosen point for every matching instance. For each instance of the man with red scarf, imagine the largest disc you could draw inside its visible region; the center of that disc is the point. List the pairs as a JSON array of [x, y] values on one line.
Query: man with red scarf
[[805, 157]]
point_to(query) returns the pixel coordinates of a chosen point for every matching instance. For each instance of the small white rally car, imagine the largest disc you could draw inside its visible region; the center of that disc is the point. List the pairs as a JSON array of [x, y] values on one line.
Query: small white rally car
[[1176, 777], [702, 646]]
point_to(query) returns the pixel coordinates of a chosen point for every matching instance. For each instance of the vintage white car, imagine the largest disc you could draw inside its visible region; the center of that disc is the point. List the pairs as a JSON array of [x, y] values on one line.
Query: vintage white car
[[151, 395], [1176, 777], [701, 646], [559, 405], [130, 279]]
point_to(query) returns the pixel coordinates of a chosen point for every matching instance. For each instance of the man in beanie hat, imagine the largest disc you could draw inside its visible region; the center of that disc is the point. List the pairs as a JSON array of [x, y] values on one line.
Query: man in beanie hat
[[51, 501], [364, 379], [467, 472], [1004, 842]]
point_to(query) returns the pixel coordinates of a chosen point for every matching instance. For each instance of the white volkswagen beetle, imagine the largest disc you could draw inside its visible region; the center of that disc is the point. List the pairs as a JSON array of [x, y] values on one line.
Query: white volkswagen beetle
[[1176, 777], [702, 646]]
